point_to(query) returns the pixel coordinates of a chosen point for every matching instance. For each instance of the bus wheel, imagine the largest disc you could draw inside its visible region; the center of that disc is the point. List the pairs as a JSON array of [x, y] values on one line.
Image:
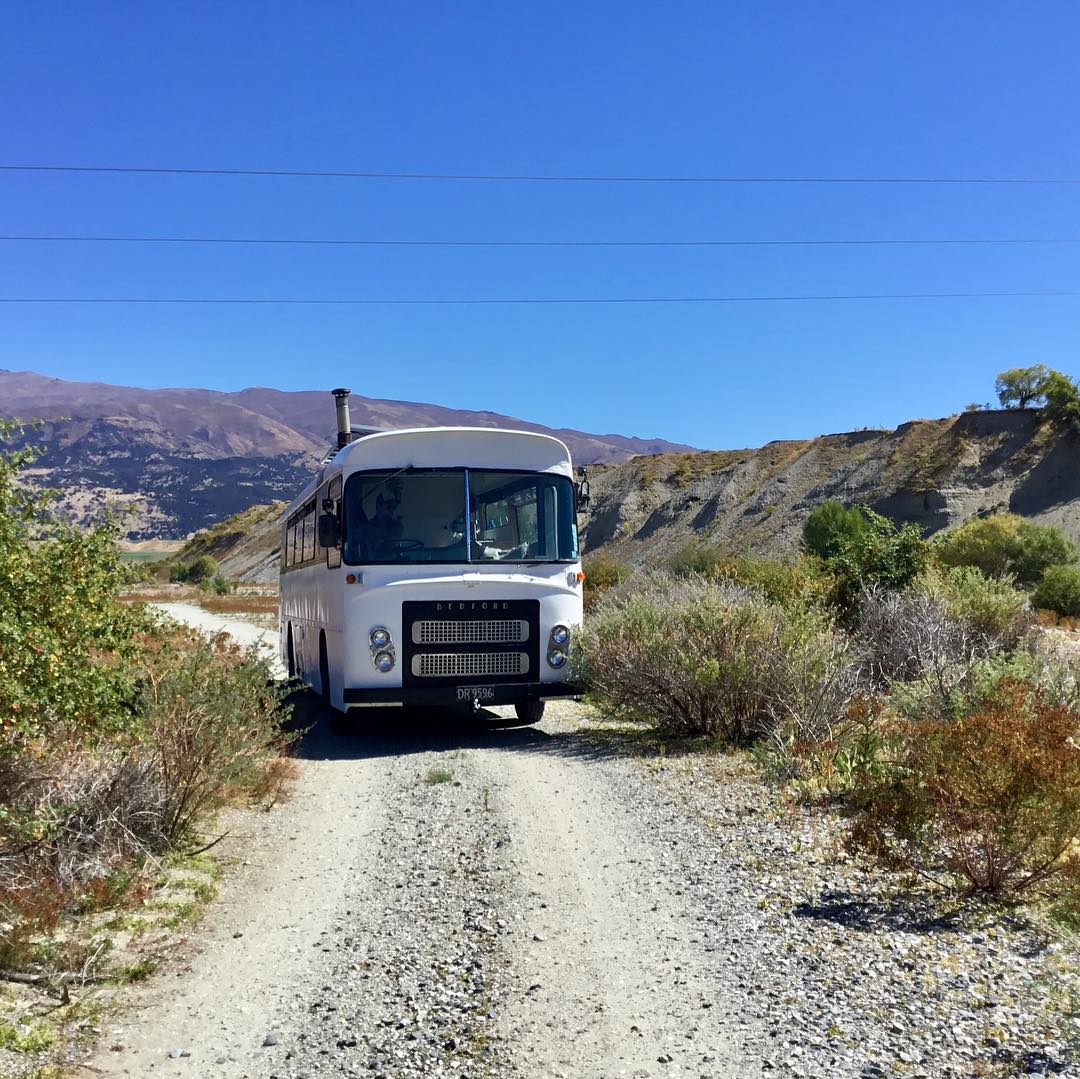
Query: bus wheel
[[289, 654], [529, 711], [338, 721], [324, 671]]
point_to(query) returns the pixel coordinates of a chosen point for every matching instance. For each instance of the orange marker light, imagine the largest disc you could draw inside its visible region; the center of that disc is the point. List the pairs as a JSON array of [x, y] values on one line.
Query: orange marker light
[[350, 578], [581, 576]]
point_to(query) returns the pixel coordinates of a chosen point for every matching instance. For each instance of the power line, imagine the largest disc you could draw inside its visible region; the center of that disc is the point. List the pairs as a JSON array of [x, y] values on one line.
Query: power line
[[465, 301], [540, 177], [242, 240]]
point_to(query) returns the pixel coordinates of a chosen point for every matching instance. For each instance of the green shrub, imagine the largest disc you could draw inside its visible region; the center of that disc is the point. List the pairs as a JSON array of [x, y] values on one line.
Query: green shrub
[[1059, 590], [66, 642], [116, 735], [991, 606], [203, 568], [815, 703], [689, 656], [799, 581], [219, 585], [213, 716], [987, 543], [879, 556], [1040, 547], [699, 657], [601, 573], [1006, 544], [699, 557], [988, 803], [791, 584], [1062, 402], [831, 527]]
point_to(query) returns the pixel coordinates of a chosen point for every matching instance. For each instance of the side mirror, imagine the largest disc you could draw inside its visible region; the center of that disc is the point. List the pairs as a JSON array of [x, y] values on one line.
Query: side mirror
[[329, 530], [581, 489]]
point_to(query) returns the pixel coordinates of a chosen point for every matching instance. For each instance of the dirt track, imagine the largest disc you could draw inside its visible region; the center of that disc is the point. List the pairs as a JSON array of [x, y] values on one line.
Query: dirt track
[[443, 896]]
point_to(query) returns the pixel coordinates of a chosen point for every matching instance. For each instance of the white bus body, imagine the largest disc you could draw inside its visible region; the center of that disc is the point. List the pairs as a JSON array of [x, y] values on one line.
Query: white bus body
[[444, 570]]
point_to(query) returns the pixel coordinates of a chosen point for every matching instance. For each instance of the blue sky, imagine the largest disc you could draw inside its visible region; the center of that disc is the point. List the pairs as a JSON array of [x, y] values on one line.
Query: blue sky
[[785, 89]]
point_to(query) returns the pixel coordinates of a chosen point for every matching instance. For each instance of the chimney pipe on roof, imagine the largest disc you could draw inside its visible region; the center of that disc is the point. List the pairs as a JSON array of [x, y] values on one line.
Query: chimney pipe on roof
[[344, 425]]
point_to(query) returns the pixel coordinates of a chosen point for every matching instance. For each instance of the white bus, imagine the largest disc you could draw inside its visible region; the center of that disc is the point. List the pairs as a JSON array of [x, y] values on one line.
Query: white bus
[[434, 566]]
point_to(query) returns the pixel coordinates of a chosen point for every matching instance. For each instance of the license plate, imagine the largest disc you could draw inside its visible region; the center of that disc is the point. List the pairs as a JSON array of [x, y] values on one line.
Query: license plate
[[475, 693]]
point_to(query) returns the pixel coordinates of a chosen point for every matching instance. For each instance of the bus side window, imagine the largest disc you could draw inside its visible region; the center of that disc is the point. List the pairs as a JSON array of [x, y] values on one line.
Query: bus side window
[[333, 492], [309, 534]]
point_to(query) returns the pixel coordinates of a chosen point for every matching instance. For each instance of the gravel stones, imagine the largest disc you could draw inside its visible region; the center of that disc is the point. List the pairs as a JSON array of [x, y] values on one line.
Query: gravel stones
[[412, 985], [567, 909], [848, 972]]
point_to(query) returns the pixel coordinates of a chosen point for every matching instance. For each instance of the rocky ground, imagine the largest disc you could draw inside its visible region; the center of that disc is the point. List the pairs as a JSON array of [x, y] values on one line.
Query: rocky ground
[[473, 899], [462, 897]]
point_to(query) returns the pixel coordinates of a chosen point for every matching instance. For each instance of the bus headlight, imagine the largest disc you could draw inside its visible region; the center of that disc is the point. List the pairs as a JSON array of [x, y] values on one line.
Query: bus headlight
[[556, 658], [384, 662], [560, 635], [380, 637]]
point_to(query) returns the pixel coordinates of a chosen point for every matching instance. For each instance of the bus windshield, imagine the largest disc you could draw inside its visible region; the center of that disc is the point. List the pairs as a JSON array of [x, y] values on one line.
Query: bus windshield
[[458, 515]]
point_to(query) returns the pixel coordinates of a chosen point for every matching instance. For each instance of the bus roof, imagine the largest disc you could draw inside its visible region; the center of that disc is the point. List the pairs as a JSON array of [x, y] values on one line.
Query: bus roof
[[444, 447]]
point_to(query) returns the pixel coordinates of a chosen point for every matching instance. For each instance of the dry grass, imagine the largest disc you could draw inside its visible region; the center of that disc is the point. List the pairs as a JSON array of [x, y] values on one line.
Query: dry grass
[[242, 603], [1053, 620], [926, 450], [239, 604]]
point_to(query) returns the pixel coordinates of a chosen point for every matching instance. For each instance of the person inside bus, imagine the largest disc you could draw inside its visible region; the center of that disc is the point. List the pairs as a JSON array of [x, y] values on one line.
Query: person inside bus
[[384, 529]]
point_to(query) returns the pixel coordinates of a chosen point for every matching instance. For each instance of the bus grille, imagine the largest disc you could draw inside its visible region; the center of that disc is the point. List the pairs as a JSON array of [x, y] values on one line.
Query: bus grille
[[491, 631], [469, 664]]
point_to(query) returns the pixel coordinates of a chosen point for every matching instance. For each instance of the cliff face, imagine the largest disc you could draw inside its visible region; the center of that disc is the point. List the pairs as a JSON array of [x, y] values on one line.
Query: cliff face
[[936, 473]]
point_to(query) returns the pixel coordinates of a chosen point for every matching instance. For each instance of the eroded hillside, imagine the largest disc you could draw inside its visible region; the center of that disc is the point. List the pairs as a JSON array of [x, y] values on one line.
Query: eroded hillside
[[936, 473]]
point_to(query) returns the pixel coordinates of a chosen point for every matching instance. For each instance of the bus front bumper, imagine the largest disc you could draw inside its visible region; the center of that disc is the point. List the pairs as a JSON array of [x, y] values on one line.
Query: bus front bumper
[[435, 696]]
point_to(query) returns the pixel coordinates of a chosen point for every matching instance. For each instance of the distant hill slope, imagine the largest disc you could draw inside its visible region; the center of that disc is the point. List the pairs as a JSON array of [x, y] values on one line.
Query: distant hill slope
[[189, 457], [937, 473]]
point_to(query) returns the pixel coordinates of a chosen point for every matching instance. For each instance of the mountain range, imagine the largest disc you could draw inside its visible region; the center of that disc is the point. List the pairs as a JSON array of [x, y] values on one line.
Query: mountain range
[[181, 459]]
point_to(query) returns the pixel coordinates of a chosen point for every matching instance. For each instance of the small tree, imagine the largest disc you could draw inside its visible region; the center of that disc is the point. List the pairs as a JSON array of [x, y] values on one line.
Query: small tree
[[1006, 544], [1062, 401], [831, 526], [1021, 387], [66, 642], [1059, 591], [863, 550], [203, 568], [881, 556], [1040, 547]]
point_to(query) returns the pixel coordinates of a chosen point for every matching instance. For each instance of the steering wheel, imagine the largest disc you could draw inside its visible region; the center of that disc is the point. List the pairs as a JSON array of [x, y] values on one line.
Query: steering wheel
[[404, 545]]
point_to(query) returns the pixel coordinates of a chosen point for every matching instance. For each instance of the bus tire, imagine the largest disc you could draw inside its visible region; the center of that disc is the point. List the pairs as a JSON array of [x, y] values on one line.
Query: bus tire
[[324, 671], [290, 655], [338, 721], [529, 711]]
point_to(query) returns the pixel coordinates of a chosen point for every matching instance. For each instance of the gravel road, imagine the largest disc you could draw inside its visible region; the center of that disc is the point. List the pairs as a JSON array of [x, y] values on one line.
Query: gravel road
[[447, 896], [444, 897]]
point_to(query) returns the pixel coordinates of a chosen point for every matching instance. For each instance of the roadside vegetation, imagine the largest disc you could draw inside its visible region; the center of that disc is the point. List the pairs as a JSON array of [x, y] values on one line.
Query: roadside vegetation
[[205, 573], [908, 682], [120, 737]]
